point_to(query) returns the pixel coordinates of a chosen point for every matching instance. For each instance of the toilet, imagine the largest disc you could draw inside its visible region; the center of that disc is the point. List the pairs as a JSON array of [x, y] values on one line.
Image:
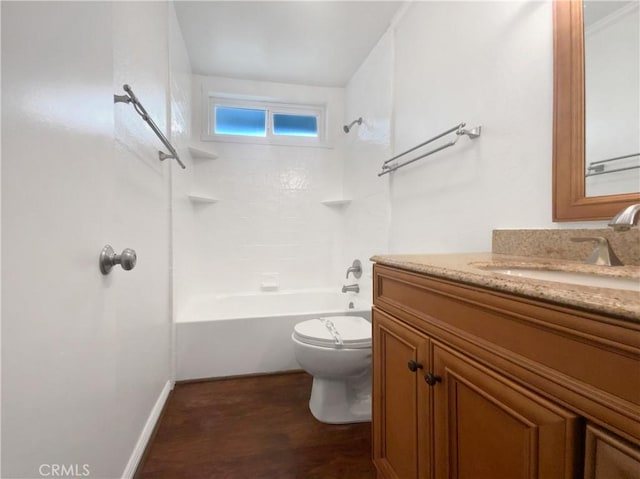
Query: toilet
[[336, 351]]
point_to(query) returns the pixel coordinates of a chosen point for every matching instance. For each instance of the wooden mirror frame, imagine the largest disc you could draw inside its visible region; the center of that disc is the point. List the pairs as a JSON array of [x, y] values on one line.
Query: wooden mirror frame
[[569, 200]]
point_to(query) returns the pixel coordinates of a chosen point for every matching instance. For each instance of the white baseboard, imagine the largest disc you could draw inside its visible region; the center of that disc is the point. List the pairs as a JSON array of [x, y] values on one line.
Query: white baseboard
[[145, 435]]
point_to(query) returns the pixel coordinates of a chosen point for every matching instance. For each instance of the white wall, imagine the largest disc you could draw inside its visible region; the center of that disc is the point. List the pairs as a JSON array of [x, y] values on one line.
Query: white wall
[[269, 218], [85, 356], [483, 63], [612, 106], [0, 257], [182, 219], [366, 220], [141, 192]]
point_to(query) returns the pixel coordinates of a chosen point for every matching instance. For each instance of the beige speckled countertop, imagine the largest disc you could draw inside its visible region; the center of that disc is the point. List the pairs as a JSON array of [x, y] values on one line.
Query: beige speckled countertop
[[467, 268]]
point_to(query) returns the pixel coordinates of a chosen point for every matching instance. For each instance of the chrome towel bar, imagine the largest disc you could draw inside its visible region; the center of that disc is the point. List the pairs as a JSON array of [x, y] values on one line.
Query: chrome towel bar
[[596, 168], [460, 131], [131, 98]]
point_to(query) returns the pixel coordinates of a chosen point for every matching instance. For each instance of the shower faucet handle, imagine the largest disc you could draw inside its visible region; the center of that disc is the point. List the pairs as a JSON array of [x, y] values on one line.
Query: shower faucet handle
[[355, 268], [108, 259]]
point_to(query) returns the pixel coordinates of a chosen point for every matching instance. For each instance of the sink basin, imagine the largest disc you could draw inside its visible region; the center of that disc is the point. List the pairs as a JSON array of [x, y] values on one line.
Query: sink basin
[[584, 279]]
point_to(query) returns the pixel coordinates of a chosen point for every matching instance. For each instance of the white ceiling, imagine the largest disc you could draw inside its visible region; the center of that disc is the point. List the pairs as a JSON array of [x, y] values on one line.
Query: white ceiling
[[307, 42]]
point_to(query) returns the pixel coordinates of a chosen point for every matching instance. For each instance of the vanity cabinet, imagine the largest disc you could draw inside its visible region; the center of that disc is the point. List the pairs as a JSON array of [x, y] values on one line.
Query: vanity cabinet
[[401, 420], [487, 426], [504, 387], [608, 456]]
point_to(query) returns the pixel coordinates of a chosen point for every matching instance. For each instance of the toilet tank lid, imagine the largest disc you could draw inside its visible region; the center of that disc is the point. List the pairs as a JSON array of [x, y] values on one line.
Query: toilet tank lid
[[352, 329]]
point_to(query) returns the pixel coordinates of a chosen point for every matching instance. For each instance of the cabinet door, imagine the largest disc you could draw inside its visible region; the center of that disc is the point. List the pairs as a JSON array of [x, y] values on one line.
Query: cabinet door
[[608, 457], [488, 427], [400, 400]]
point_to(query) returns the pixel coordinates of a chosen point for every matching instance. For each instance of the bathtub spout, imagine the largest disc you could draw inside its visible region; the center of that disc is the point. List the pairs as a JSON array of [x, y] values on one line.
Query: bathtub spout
[[352, 287]]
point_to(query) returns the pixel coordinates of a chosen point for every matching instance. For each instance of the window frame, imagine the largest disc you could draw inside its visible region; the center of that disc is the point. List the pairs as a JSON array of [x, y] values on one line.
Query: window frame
[[271, 108]]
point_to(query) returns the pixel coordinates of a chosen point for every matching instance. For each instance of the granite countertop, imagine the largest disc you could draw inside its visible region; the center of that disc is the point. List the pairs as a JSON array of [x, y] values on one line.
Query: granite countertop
[[467, 268]]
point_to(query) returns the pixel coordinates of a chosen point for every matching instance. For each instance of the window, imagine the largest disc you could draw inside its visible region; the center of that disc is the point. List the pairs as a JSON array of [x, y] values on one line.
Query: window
[[263, 122], [295, 125], [240, 121]]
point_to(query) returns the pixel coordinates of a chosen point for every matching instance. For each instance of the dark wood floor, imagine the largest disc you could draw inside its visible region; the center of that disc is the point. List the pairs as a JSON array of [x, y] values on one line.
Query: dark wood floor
[[251, 428]]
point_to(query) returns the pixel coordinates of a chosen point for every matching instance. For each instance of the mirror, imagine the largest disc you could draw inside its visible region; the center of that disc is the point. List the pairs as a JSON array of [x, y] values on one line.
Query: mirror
[[611, 96], [576, 144]]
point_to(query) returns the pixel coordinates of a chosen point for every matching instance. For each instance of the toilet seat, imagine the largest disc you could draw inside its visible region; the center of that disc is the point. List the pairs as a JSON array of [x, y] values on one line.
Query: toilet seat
[[354, 331]]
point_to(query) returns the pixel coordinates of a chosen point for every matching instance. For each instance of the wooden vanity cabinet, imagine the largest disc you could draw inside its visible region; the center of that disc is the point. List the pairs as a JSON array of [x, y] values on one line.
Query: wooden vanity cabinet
[[508, 387], [487, 426], [401, 355], [607, 456]]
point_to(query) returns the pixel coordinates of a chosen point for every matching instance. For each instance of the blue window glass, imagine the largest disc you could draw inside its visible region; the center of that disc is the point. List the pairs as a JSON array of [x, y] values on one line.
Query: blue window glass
[[240, 121], [295, 125]]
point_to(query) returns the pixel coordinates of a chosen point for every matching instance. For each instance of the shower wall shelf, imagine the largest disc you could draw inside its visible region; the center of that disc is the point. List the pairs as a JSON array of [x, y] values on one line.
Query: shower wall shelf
[[200, 154], [336, 202], [201, 199]]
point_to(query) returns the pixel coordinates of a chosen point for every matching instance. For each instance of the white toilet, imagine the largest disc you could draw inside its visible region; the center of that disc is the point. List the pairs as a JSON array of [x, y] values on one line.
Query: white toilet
[[336, 351]]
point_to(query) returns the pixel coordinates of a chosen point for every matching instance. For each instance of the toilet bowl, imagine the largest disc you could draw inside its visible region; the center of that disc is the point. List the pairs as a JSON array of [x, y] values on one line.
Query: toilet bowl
[[336, 351]]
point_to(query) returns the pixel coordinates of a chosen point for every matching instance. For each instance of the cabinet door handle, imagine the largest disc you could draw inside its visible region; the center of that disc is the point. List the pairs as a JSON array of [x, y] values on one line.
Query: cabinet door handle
[[414, 366], [432, 379]]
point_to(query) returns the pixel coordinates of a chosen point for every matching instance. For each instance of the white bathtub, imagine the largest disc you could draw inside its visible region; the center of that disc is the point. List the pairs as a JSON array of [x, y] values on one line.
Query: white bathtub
[[227, 335]]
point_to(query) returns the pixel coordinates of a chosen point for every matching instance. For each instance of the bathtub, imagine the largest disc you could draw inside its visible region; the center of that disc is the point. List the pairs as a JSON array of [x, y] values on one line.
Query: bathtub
[[234, 334]]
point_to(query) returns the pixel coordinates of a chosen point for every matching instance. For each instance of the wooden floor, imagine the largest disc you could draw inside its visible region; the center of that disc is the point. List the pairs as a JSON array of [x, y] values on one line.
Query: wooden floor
[[251, 428]]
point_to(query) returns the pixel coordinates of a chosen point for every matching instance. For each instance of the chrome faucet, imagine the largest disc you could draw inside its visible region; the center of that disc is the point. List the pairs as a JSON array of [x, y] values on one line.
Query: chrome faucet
[[352, 287], [602, 254], [627, 218], [355, 268]]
